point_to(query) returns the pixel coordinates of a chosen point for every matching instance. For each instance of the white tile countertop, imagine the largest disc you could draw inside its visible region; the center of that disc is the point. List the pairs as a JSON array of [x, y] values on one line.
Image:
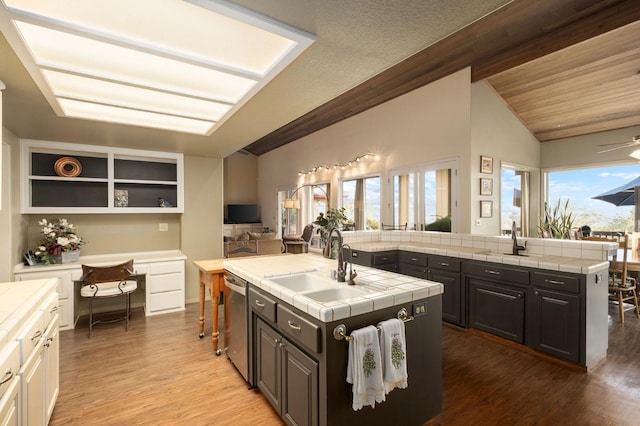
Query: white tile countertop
[[386, 288], [18, 300], [573, 256]]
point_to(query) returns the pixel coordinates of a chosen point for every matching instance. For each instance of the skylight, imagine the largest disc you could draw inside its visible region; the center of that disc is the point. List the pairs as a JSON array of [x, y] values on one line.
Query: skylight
[[177, 65]]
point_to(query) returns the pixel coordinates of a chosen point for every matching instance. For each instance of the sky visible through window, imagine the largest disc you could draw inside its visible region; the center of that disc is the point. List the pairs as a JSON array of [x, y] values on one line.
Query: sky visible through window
[[579, 186]]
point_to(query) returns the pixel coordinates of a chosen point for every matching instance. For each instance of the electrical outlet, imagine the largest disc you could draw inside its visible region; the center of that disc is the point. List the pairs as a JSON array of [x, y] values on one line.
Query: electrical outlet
[[163, 227], [419, 309]]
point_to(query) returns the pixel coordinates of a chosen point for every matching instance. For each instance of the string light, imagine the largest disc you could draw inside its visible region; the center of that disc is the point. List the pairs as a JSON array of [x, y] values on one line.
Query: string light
[[350, 163]]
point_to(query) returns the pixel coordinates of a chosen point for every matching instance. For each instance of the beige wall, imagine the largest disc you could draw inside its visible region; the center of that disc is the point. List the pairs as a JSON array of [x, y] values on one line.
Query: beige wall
[[496, 132], [241, 179], [428, 124]]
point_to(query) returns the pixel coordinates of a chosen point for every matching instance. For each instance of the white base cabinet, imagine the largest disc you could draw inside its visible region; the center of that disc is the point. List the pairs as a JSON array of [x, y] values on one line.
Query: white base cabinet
[[163, 289], [10, 384]]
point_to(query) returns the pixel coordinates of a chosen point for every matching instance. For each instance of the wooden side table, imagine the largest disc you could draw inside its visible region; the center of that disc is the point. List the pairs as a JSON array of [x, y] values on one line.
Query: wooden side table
[[211, 275]]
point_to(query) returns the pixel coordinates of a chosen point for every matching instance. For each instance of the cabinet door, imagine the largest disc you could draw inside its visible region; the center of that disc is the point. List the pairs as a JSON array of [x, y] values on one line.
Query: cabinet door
[[51, 366], [267, 353], [32, 373], [453, 296], [555, 324], [10, 404], [299, 387], [497, 309]]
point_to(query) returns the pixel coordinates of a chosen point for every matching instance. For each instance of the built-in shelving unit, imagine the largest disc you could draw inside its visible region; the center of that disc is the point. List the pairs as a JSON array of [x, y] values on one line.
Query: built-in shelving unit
[[110, 180]]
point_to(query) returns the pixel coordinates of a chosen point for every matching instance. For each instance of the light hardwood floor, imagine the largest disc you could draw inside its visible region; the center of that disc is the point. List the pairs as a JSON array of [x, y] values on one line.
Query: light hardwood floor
[[161, 373]]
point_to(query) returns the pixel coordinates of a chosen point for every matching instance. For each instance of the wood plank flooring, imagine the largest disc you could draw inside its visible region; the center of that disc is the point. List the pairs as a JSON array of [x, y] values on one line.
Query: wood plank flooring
[[161, 373]]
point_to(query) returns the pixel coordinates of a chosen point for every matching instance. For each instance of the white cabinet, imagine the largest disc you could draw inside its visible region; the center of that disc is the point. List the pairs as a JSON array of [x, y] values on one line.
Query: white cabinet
[[51, 367], [72, 178], [164, 287], [65, 290], [10, 384]]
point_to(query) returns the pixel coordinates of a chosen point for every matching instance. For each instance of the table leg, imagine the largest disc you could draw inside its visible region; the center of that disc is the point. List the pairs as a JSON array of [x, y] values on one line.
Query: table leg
[[216, 285], [201, 319]]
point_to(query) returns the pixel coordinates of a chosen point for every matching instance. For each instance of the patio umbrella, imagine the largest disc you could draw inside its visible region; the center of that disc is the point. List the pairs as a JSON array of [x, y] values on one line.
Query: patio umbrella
[[621, 196]]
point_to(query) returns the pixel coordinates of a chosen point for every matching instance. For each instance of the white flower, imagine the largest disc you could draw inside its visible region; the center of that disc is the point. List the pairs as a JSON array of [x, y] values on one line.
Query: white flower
[[63, 241], [42, 222], [42, 248]]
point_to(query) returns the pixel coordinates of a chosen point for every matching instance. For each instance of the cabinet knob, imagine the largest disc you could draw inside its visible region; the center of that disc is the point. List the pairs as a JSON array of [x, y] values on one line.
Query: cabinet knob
[[537, 293]]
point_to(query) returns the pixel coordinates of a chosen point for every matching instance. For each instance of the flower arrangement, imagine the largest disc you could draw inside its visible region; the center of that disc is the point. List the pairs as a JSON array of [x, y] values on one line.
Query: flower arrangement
[[57, 237]]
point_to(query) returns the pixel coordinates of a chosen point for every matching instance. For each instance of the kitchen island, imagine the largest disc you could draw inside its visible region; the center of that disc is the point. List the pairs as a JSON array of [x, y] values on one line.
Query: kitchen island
[[298, 358]]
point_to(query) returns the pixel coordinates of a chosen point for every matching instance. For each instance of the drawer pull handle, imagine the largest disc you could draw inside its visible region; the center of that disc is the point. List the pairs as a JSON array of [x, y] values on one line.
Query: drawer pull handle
[[36, 335], [8, 375], [444, 264], [489, 271], [296, 327], [259, 304], [54, 309], [413, 259], [554, 282]]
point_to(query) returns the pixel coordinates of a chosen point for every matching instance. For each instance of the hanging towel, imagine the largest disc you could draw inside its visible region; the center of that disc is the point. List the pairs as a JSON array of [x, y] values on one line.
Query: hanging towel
[[364, 368], [393, 350]]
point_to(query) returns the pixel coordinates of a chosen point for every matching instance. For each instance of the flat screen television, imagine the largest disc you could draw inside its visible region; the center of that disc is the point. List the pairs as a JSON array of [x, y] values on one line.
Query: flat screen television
[[242, 213]]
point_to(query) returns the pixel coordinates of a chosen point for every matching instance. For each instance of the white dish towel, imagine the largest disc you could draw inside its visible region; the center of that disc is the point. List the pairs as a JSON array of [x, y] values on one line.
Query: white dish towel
[[364, 368], [394, 354]]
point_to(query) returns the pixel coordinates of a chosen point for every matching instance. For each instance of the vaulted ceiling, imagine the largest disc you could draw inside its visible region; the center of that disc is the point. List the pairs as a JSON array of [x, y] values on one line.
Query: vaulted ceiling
[[367, 52]]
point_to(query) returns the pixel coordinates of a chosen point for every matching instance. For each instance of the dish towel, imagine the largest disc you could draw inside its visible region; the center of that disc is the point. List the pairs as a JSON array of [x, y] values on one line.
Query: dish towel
[[364, 368], [393, 350]]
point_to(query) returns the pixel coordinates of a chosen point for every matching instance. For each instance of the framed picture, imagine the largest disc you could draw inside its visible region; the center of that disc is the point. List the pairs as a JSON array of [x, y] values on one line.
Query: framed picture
[[486, 208], [486, 186], [486, 164]]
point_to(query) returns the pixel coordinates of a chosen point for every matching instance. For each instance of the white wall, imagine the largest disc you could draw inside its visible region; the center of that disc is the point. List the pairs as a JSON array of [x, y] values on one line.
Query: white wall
[[428, 124], [497, 133]]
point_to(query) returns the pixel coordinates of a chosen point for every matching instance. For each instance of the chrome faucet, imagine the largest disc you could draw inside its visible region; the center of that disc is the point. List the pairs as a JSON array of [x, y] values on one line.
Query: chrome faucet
[[516, 247], [352, 272], [327, 253]]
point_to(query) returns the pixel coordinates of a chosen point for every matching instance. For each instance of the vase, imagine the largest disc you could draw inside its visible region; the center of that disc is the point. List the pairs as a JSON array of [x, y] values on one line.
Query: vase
[[70, 256]]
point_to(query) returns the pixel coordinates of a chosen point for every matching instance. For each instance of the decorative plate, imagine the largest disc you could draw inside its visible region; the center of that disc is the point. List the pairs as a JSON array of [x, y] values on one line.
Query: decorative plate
[[68, 167]]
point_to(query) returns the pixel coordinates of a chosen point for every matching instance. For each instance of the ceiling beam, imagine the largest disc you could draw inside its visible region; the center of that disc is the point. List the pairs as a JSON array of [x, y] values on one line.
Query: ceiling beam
[[512, 35]]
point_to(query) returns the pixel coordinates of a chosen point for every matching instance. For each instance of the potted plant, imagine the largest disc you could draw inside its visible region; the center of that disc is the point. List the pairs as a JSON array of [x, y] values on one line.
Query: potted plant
[[59, 242], [334, 218], [557, 221]]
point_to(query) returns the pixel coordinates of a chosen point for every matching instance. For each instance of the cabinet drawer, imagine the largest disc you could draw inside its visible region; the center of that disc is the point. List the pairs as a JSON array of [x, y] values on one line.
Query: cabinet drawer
[[49, 308], [493, 272], [166, 268], [301, 330], [558, 282], [385, 258], [165, 282], [411, 258], [263, 305], [413, 270], [358, 257], [30, 335], [444, 263], [165, 301], [9, 364]]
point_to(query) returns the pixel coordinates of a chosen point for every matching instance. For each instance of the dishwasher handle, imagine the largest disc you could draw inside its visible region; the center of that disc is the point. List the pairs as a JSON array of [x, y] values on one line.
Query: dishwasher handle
[[233, 285]]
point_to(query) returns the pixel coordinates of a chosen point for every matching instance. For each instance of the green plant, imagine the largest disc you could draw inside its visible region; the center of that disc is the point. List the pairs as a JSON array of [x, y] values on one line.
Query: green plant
[[557, 221], [442, 224], [335, 218]]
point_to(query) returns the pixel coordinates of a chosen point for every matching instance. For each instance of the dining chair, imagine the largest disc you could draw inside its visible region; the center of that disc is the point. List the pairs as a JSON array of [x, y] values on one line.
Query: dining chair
[[103, 282], [622, 287]]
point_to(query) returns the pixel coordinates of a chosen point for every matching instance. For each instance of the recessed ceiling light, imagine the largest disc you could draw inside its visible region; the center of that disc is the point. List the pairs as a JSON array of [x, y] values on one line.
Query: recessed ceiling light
[[197, 59]]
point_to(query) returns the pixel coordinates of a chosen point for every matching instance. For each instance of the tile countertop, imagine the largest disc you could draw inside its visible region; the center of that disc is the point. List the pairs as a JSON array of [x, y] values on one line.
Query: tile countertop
[[18, 300], [554, 262], [393, 288]]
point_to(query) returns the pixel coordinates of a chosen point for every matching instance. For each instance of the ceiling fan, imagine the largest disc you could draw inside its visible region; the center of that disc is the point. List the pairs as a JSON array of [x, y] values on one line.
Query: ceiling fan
[[634, 141]]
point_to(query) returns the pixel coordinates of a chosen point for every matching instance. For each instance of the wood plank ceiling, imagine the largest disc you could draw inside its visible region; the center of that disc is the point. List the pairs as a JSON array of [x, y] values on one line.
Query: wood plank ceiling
[[591, 86]]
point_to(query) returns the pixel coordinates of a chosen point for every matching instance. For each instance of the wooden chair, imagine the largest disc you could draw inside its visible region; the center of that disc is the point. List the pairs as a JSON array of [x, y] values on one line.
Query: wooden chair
[[100, 282], [394, 227], [622, 287]]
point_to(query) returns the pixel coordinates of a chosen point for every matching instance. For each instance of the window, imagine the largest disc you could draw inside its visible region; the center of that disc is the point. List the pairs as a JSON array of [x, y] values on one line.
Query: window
[[515, 203], [423, 196], [361, 200]]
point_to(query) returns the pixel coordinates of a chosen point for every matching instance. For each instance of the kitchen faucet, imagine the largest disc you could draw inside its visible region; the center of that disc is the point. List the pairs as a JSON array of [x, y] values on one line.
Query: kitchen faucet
[[352, 272], [516, 247], [341, 273]]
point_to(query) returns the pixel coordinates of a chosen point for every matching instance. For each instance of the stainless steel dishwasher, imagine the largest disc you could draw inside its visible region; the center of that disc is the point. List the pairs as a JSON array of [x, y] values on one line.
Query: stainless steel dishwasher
[[235, 332]]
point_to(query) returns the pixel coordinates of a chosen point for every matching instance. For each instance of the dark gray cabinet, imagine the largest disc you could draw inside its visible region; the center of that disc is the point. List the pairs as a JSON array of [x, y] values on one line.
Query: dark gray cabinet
[[286, 376], [413, 264], [446, 270], [554, 315], [386, 260], [497, 309]]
